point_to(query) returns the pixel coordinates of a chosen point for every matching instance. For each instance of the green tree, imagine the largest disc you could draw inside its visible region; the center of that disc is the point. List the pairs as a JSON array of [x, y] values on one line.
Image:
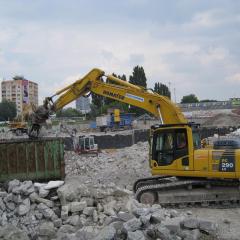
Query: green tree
[[191, 98], [162, 89], [19, 77], [100, 104], [95, 111], [68, 112], [122, 77], [108, 101], [8, 110], [98, 100], [138, 77]]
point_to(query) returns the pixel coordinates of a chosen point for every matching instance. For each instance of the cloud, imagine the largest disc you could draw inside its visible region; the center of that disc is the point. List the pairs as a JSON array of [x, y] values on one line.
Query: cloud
[[235, 78], [213, 18], [213, 55], [190, 50], [136, 59], [208, 19]]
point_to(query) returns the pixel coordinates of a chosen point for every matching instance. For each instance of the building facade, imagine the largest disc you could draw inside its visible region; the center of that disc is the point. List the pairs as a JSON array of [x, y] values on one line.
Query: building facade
[[83, 105], [20, 91]]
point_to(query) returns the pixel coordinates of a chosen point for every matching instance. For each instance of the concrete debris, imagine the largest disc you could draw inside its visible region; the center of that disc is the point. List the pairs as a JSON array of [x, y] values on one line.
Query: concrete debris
[[35, 198], [163, 233], [67, 229], [125, 216], [158, 216], [207, 226], [43, 192], [94, 205], [46, 211], [64, 212], [110, 166], [132, 225], [24, 207], [111, 217], [13, 184], [53, 184], [57, 223], [222, 120], [74, 220], [137, 235], [10, 232], [108, 233], [191, 235], [88, 211], [84, 234], [26, 188], [2, 205], [46, 229], [190, 223], [77, 206]]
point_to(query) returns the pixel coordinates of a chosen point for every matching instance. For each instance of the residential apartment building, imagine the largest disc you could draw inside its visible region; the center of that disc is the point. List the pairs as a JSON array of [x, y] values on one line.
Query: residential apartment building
[[83, 105], [21, 91]]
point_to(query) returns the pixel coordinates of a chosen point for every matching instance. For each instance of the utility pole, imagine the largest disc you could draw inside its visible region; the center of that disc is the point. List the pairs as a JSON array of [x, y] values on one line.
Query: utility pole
[[174, 92], [169, 85]]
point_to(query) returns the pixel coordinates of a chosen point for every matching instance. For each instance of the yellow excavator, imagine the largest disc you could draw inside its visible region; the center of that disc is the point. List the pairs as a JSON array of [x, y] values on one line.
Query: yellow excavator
[[19, 125], [183, 172]]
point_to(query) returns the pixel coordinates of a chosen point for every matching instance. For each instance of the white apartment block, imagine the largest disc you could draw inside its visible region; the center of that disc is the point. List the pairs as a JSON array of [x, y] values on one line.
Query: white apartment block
[[83, 105], [20, 91]]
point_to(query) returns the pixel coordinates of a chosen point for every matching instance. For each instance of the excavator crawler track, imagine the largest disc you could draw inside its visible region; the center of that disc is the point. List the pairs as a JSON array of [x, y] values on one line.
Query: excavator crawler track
[[183, 192]]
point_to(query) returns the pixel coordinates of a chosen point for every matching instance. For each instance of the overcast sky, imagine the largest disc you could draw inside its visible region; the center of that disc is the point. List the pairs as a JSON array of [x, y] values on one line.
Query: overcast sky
[[192, 44]]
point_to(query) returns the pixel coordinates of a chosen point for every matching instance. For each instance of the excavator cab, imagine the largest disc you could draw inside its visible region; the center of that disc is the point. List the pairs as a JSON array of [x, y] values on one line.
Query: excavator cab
[[172, 147]]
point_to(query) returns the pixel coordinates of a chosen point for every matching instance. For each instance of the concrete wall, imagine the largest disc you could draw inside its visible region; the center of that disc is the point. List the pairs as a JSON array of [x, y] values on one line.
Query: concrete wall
[[126, 140], [114, 141]]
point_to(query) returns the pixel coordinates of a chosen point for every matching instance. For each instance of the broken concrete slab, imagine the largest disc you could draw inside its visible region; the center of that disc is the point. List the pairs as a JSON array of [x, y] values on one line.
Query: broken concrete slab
[[107, 233], [24, 207], [78, 206], [132, 225]]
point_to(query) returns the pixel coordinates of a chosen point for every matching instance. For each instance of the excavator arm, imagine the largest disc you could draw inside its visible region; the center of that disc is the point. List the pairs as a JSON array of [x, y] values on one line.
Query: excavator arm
[[114, 88]]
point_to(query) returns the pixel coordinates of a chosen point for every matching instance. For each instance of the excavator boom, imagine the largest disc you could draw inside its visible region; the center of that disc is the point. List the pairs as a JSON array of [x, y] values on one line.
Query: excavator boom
[[117, 89]]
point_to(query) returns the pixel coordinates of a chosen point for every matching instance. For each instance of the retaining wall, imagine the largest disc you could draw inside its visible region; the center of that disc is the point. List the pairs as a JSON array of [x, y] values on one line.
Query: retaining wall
[[107, 141]]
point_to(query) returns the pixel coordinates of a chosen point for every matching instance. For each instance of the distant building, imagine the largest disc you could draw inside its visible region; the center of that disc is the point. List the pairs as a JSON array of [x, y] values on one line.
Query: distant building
[[83, 105], [235, 101], [20, 91], [229, 104]]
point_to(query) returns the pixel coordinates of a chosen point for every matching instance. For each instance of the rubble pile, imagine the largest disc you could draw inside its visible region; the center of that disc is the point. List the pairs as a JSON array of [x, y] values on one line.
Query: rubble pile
[[99, 212], [222, 120], [120, 166]]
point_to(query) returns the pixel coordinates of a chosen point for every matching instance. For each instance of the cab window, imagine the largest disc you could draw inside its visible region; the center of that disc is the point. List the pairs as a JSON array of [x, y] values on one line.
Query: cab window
[[181, 139], [163, 148], [181, 143], [169, 145], [196, 140]]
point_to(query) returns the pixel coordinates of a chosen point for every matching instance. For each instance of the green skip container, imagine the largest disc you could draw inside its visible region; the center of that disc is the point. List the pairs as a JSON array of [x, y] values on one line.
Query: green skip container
[[36, 160]]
